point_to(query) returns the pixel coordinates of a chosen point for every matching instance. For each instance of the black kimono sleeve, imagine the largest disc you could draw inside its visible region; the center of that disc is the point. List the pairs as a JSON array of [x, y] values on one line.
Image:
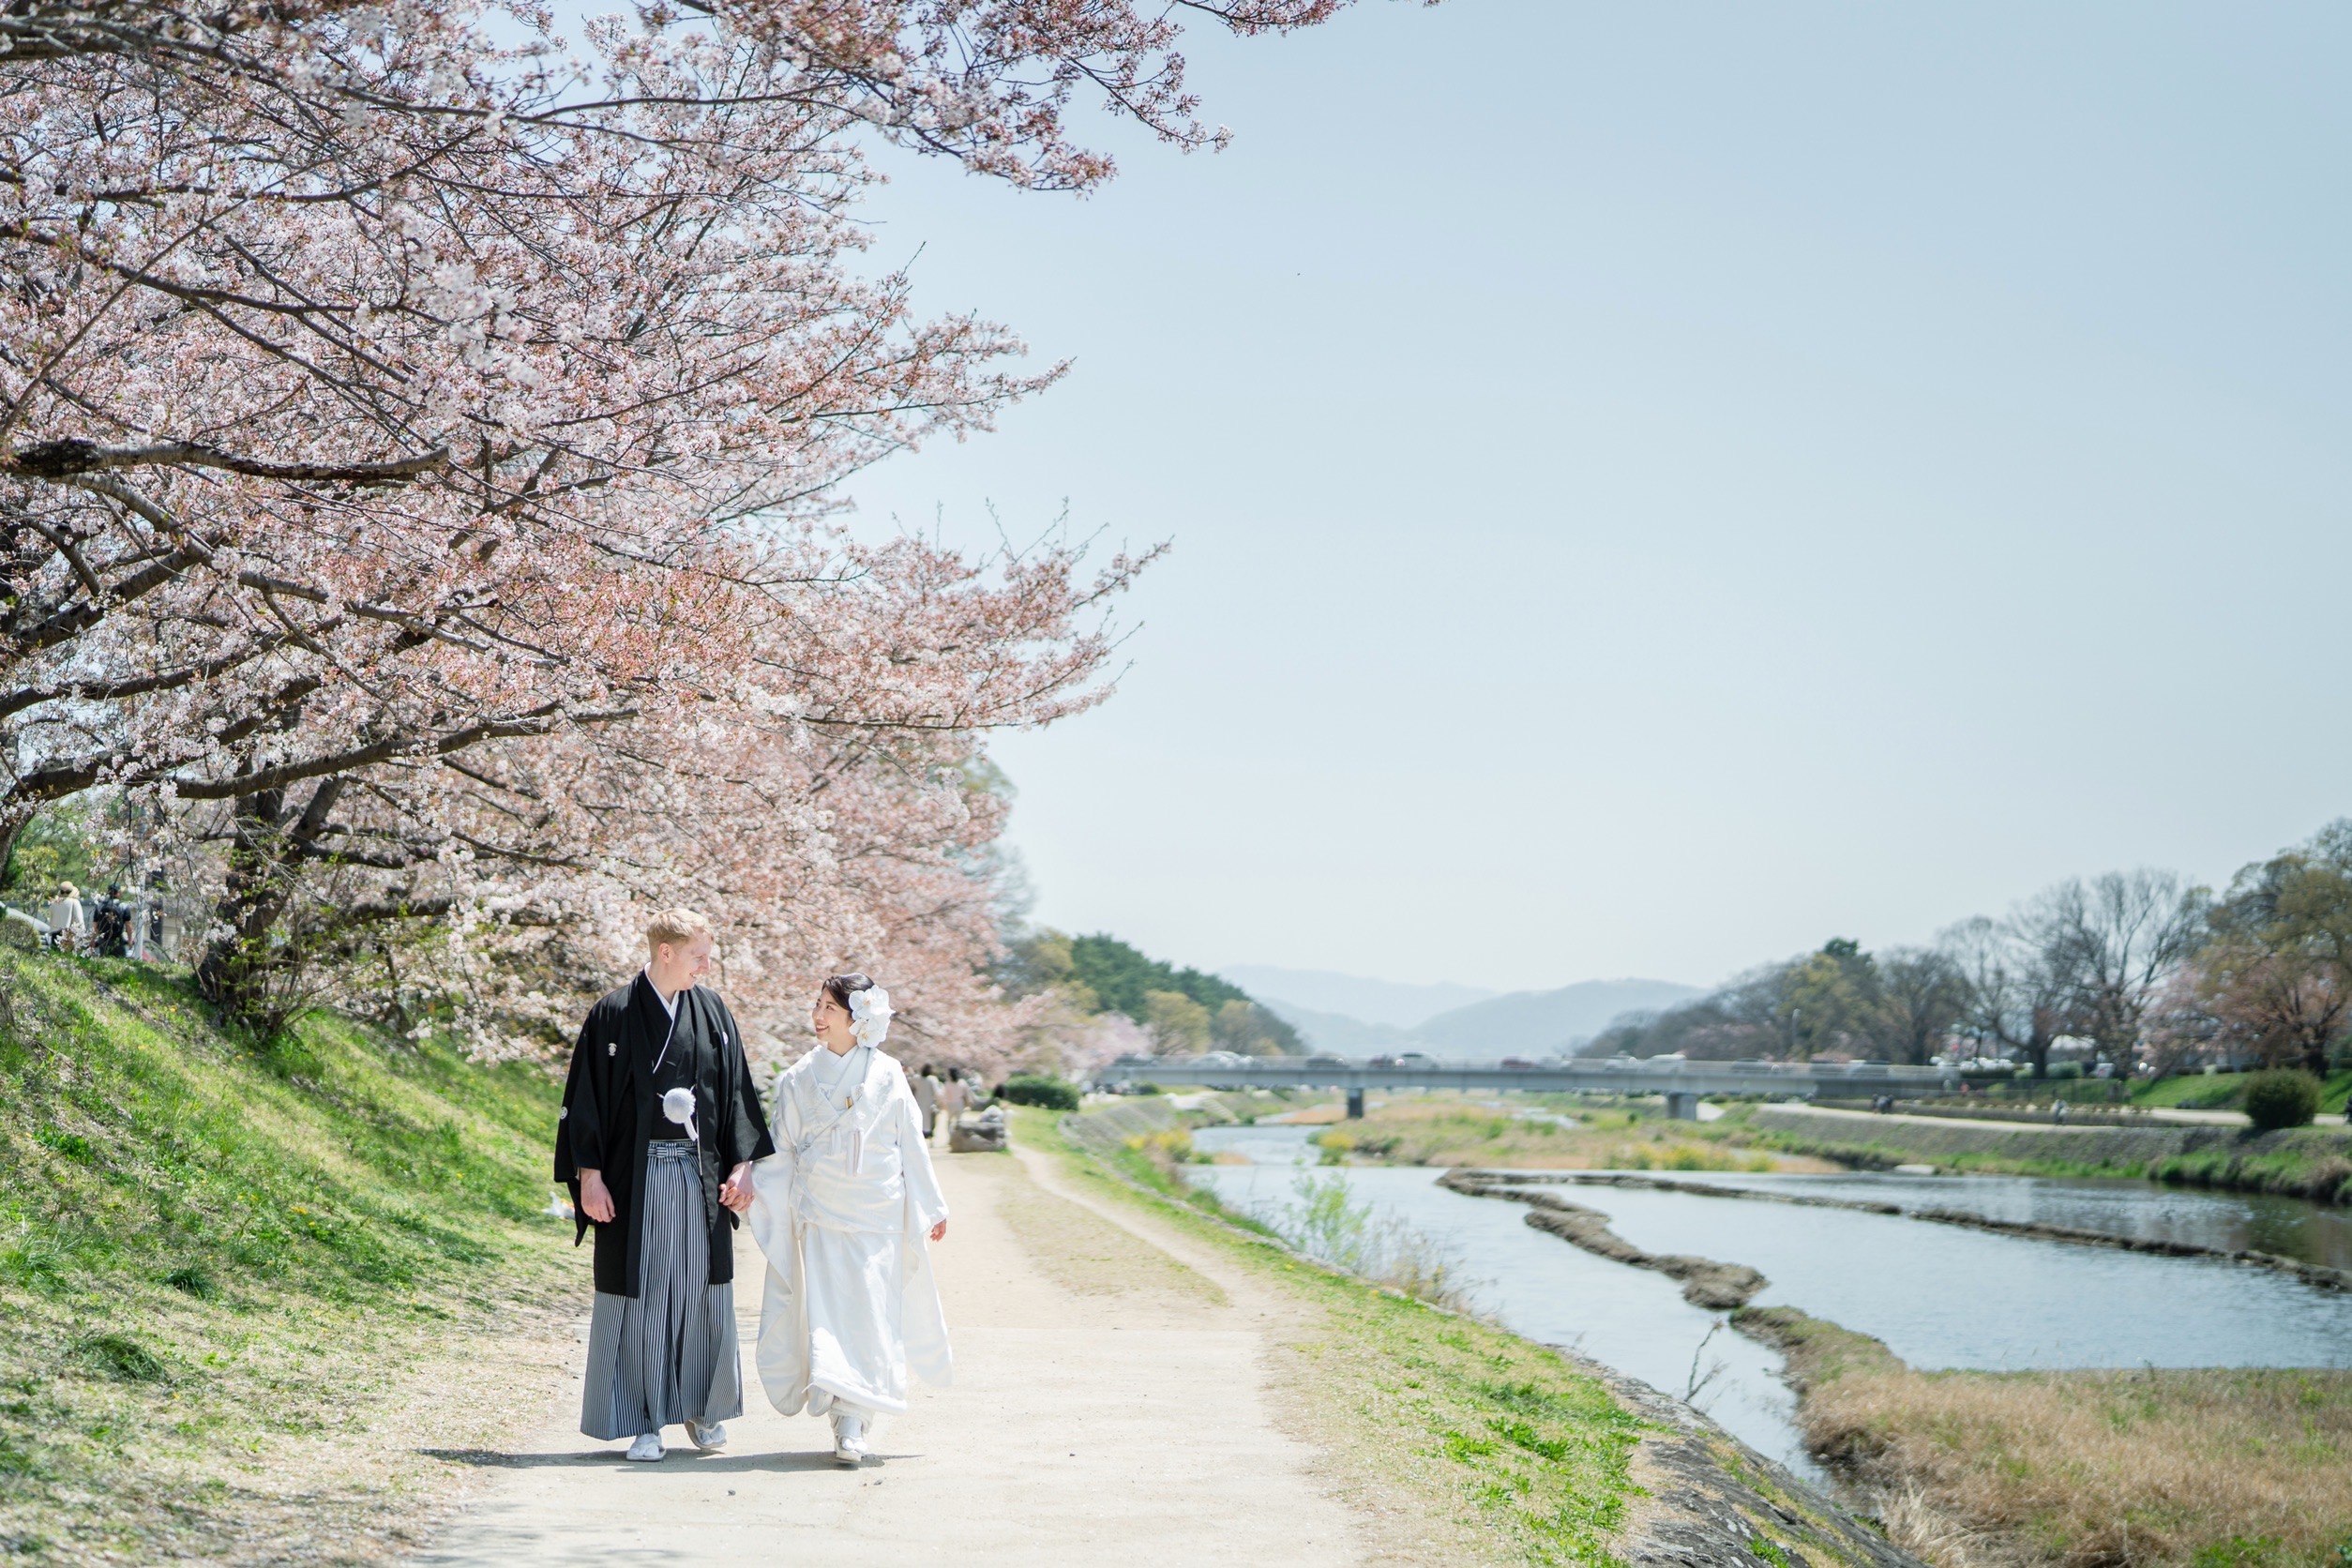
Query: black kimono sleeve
[[579, 1126]]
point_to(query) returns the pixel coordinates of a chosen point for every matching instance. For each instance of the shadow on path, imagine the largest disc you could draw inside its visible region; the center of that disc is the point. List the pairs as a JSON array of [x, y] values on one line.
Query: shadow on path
[[698, 1464]]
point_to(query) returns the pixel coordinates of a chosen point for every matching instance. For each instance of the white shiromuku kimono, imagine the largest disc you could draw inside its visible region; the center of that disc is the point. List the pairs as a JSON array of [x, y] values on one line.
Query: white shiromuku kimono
[[843, 1211]]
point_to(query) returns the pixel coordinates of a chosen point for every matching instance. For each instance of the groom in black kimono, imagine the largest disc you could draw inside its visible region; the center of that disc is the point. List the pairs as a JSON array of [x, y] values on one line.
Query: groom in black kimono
[[660, 1124]]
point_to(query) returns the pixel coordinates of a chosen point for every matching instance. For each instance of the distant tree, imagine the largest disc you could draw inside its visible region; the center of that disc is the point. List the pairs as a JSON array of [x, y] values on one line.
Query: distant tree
[[1122, 978], [1922, 998], [1041, 961], [1734, 1023], [1246, 1027], [1826, 1001], [2274, 974], [1183, 1010], [2283, 1008], [57, 845], [1179, 1025], [1832, 999], [2114, 941], [1623, 1036], [2014, 999]]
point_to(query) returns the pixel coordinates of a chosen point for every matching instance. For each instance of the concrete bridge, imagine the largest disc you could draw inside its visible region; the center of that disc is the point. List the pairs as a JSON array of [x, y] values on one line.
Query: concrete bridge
[[1682, 1083]]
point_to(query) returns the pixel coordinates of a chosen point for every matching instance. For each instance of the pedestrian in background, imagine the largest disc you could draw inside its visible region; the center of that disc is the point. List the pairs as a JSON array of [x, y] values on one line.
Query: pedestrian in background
[[926, 1085], [112, 930], [69, 924], [952, 1098]]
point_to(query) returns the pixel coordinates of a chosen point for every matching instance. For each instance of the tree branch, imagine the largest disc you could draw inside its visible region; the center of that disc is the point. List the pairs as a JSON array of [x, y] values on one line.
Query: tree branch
[[56, 460]]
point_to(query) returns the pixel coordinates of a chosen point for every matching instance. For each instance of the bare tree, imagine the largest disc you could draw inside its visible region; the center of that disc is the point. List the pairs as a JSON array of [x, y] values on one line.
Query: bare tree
[[2015, 997], [2114, 940], [1922, 997]]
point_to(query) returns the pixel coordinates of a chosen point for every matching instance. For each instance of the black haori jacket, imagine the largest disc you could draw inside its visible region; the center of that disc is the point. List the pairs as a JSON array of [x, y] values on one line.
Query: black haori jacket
[[612, 1110]]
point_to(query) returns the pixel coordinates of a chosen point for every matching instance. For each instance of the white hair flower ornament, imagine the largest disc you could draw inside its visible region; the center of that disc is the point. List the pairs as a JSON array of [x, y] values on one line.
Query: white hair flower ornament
[[870, 1016]]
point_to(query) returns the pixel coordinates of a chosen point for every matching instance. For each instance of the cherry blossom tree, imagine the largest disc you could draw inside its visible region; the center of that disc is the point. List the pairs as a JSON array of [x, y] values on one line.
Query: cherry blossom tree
[[388, 390], [840, 824]]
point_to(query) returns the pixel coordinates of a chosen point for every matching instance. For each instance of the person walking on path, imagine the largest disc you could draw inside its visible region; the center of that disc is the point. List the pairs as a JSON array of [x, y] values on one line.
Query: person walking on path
[[844, 1213], [925, 1086], [952, 1098], [660, 1128]]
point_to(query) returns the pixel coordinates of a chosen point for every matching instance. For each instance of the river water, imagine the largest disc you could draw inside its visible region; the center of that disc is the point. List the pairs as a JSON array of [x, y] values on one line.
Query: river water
[[1940, 1296]]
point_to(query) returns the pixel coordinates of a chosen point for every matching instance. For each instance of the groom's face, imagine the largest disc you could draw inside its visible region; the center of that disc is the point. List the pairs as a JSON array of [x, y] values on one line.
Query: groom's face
[[675, 968]]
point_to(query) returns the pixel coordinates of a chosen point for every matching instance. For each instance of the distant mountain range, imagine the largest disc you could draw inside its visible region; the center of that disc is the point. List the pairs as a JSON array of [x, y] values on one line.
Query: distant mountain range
[[1519, 1023], [1339, 1033], [1372, 1002]]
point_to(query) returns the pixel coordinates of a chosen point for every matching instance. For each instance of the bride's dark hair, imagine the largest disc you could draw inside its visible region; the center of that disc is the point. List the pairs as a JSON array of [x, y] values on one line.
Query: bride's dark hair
[[840, 988]]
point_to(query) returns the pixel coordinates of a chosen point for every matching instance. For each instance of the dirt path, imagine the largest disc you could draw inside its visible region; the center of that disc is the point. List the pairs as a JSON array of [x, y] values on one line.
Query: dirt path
[[1110, 1404]]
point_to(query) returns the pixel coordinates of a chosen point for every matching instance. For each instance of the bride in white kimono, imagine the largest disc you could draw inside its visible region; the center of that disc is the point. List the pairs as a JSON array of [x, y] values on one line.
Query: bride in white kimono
[[844, 1212]]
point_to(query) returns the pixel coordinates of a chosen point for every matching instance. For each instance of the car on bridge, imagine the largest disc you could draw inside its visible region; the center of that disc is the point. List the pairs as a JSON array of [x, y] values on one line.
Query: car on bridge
[[1519, 1063]]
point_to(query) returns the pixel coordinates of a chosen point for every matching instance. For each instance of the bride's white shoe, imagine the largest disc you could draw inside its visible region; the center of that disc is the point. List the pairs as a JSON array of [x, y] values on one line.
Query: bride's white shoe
[[849, 1440]]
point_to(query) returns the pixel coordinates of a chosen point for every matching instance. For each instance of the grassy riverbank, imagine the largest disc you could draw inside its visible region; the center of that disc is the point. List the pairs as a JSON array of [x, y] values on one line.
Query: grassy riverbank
[[216, 1258], [2224, 1091], [2202, 1469], [1532, 1455]]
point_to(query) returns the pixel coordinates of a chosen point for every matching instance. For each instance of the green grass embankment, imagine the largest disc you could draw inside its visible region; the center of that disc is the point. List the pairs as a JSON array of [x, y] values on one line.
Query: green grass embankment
[[1541, 1457], [2224, 1091], [2210, 1468], [211, 1253], [2302, 1162]]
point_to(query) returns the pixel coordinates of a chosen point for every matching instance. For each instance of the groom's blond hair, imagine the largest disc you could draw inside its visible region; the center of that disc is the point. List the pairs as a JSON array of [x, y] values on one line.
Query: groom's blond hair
[[676, 926]]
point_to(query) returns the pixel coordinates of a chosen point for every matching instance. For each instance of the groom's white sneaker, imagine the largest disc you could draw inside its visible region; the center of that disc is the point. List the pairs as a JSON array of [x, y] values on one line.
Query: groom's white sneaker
[[711, 1438], [647, 1448], [849, 1440]]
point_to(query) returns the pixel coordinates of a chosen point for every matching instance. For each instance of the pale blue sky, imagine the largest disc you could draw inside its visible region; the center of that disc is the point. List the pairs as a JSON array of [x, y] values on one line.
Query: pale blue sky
[[1656, 485]]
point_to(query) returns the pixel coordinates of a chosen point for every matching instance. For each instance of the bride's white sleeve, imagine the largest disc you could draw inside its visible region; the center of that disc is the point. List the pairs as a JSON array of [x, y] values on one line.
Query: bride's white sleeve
[[925, 1203], [772, 1180]]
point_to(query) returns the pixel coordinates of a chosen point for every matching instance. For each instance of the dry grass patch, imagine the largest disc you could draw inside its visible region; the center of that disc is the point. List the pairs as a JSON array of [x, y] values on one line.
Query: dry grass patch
[[2221, 1468], [1452, 1132]]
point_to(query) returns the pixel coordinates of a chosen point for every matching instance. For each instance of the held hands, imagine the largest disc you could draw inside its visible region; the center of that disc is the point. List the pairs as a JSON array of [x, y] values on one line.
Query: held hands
[[594, 1201]]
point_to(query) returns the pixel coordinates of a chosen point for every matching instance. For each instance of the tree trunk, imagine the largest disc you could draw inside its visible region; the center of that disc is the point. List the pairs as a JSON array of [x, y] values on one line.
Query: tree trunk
[[13, 825], [243, 972], [2038, 1040]]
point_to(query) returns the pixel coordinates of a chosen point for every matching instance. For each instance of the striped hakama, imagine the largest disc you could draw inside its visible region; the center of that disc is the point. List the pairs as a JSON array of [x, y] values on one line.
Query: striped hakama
[[668, 1353]]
